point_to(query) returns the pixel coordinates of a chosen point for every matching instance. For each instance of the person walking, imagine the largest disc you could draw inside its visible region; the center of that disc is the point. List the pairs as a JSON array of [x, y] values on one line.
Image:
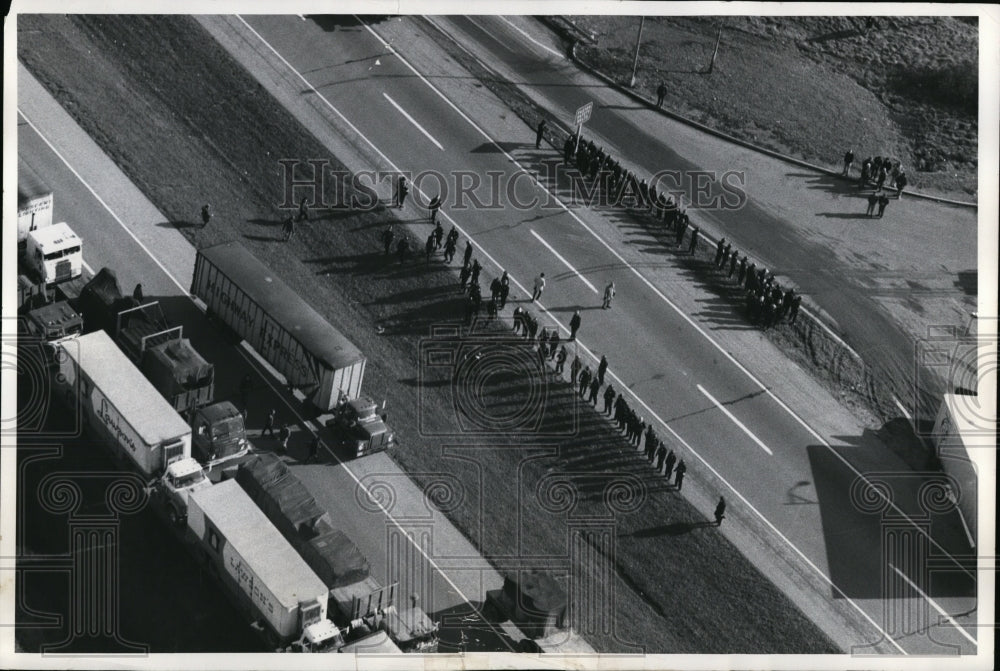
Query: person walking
[[206, 215], [387, 238], [561, 360], [679, 477], [661, 93], [283, 435], [694, 240], [595, 386], [574, 324], [303, 214], [540, 133], [268, 429], [671, 460], [432, 208], [793, 311], [609, 399], [539, 287], [438, 235], [848, 160], [609, 293], [872, 202], [288, 228], [402, 188], [732, 263], [602, 368], [720, 511], [468, 253]]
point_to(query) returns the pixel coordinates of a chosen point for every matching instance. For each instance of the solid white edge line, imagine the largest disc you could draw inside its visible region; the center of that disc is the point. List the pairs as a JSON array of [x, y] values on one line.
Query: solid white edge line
[[413, 121], [680, 312], [934, 604], [735, 421], [530, 38], [565, 262], [266, 378]]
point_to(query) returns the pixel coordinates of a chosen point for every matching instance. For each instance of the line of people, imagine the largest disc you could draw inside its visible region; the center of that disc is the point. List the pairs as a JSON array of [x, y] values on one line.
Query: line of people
[[766, 302]]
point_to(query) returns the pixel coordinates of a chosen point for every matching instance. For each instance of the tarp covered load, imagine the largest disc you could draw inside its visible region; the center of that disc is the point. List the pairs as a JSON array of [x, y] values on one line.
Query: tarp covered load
[[335, 559], [179, 364], [285, 501], [101, 300]]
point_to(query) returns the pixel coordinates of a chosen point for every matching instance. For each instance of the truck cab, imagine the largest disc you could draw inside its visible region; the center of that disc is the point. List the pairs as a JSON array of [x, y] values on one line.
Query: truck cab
[[181, 478], [360, 428], [54, 322], [318, 634], [54, 254], [219, 434]]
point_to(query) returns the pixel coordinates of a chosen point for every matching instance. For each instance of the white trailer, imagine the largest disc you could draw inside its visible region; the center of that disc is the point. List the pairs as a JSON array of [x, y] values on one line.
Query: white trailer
[[121, 404], [34, 202], [267, 578], [250, 299]]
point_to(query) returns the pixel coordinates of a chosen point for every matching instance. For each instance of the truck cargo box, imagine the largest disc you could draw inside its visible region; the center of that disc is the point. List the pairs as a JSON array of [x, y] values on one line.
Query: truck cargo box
[[265, 572], [34, 201], [251, 299], [335, 558], [122, 404], [285, 500]]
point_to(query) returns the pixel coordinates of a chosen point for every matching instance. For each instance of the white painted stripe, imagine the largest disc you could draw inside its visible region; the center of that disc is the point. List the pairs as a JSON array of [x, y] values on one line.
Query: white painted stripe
[[530, 38], [87, 266], [902, 409], [736, 421], [936, 607], [670, 303], [565, 262], [413, 121]]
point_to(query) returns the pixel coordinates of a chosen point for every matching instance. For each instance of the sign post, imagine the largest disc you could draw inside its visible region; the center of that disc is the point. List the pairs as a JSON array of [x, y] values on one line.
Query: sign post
[[582, 116]]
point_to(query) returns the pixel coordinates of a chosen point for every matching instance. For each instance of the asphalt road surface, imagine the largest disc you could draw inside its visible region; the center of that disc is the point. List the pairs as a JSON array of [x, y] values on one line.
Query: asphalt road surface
[[763, 448]]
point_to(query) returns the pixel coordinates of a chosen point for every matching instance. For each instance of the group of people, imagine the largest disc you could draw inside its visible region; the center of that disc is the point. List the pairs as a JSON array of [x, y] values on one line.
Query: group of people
[[767, 303], [878, 173]]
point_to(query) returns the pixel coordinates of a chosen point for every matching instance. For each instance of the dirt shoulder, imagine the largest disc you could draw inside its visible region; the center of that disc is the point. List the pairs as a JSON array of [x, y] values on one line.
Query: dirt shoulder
[[189, 125], [814, 87]]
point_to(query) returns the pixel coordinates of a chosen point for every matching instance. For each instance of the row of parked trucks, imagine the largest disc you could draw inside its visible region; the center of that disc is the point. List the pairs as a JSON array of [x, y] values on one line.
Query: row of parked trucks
[[130, 376]]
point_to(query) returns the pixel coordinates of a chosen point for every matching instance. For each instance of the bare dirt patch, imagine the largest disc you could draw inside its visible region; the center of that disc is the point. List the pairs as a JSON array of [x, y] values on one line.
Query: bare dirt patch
[[188, 125]]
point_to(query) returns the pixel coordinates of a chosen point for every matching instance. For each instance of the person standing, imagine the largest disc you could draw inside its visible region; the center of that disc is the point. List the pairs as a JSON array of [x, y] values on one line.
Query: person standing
[[574, 324], [387, 238], [901, 182], [602, 368], [137, 293], [463, 277], [585, 378], [561, 360], [495, 288], [449, 249], [872, 202], [793, 311], [540, 133], [475, 270], [206, 215], [468, 253], [661, 454], [429, 247], [609, 293], [609, 399], [661, 93], [539, 287], [303, 214], [268, 425], [671, 460], [679, 478], [283, 435], [438, 235], [574, 370], [595, 386], [720, 511], [848, 160], [504, 289], [883, 201], [401, 190]]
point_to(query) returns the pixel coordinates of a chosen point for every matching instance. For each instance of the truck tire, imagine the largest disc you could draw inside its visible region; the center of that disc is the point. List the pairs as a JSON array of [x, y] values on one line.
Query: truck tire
[[174, 516]]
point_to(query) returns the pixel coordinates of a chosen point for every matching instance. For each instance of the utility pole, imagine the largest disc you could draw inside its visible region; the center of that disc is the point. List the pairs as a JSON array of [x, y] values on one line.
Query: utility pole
[[711, 66], [635, 61]]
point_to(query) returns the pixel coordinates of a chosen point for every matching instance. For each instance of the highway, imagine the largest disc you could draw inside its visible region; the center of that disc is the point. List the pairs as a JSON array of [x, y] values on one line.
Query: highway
[[119, 227], [761, 446]]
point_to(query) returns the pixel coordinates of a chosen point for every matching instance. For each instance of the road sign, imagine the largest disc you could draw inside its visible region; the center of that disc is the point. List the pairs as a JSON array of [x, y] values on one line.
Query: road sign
[[583, 114]]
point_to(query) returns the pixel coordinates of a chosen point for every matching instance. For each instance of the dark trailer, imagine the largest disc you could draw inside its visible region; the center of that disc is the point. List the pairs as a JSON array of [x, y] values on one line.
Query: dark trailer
[[286, 331]]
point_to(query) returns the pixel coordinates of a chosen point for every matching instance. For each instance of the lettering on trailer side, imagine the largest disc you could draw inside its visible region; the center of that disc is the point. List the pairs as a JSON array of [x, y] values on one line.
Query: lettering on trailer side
[[292, 362], [114, 423], [249, 583], [221, 297]]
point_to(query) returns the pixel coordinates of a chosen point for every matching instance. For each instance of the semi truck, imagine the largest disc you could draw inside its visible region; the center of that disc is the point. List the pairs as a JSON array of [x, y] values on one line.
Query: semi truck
[[256, 305], [361, 605], [267, 580], [129, 416]]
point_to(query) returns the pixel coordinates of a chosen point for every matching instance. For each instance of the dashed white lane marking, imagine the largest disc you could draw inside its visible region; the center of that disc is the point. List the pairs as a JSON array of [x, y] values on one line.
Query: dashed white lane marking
[[934, 605], [565, 262], [413, 121], [735, 421], [531, 39]]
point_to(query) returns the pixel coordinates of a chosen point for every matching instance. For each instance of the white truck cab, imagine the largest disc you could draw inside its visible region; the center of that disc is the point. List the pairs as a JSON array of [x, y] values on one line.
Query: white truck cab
[[54, 253], [181, 478]]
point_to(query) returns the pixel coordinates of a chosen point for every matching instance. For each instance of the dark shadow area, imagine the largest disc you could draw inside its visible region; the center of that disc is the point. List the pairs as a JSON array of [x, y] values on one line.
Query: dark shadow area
[[836, 35], [498, 147], [968, 281], [333, 22], [179, 224]]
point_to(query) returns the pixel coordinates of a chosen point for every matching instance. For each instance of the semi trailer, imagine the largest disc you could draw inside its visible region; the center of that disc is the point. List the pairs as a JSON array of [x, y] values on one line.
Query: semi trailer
[[123, 410], [255, 304], [361, 605]]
